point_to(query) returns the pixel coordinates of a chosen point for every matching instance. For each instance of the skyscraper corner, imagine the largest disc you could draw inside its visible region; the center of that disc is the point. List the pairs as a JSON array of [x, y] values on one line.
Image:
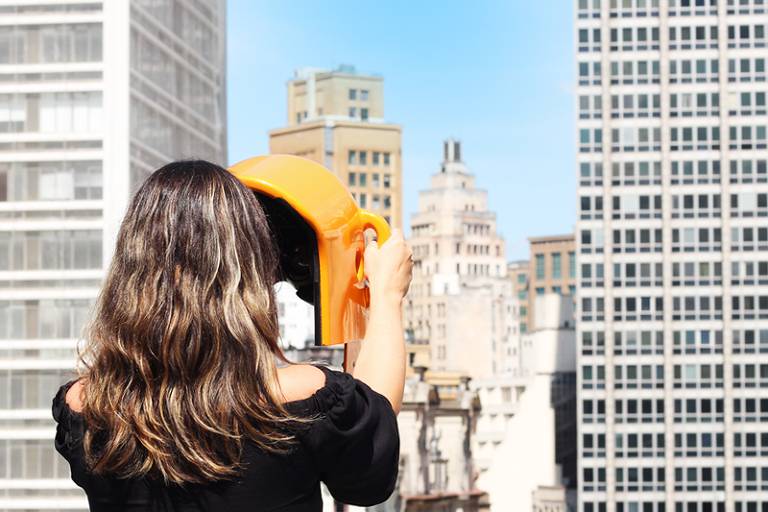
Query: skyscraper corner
[[95, 96], [671, 152]]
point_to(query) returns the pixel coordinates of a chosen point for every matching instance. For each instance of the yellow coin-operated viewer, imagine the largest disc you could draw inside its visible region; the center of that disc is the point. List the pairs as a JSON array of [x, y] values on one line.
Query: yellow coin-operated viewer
[[320, 234]]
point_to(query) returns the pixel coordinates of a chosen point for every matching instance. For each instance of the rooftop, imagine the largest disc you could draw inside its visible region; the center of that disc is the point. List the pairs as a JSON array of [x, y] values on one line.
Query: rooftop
[[341, 70], [551, 238]]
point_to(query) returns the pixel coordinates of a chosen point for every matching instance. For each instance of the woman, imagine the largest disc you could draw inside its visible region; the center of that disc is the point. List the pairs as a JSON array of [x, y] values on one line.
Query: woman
[[181, 406]]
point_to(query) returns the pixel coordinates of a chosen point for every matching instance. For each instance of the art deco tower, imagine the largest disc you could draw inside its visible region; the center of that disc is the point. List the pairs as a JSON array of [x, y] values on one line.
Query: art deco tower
[[458, 299]]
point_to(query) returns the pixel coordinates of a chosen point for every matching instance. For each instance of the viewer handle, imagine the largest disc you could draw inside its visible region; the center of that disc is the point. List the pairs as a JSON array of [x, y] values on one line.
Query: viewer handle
[[380, 226]]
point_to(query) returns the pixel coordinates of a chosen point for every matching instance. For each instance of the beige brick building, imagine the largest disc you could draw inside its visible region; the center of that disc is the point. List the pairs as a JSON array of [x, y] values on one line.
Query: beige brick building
[[552, 269], [336, 118]]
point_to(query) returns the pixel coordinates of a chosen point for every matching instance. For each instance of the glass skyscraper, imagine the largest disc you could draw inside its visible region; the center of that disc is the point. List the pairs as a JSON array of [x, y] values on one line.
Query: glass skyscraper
[[672, 241], [94, 95]]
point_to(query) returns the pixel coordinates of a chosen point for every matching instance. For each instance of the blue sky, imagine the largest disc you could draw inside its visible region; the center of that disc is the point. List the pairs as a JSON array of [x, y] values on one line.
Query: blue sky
[[496, 74]]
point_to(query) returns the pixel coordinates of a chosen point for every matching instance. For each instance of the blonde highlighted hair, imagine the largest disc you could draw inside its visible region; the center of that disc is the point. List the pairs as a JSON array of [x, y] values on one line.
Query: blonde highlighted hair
[[179, 361]]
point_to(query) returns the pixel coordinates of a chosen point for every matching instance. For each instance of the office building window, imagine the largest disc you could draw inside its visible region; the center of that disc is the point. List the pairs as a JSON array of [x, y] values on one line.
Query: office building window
[[51, 112], [572, 265], [386, 158], [159, 132], [59, 180], [352, 157], [376, 158], [363, 158], [352, 112], [363, 200], [352, 179], [42, 318], [362, 179], [540, 291], [539, 266], [50, 250], [353, 94], [387, 202], [364, 114], [557, 289], [71, 42], [387, 181], [375, 181], [364, 94], [556, 265]]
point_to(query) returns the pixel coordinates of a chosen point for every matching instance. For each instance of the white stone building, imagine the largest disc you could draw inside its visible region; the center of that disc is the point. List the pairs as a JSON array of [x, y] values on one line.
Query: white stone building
[[460, 301], [526, 425], [94, 95], [672, 247], [295, 317], [499, 398], [437, 464]]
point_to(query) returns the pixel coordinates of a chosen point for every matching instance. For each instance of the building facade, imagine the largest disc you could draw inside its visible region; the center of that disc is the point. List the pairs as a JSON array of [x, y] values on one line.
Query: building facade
[[499, 398], [460, 300], [526, 427], [336, 118], [552, 270], [672, 245], [518, 275], [437, 424], [84, 118]]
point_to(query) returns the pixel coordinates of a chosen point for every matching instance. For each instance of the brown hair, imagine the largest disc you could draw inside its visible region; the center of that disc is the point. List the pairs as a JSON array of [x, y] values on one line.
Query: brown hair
[[180, 354]]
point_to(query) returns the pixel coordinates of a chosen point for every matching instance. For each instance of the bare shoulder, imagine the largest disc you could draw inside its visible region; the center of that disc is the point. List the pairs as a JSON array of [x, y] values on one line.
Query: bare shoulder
[[74, 396], [300, 381]]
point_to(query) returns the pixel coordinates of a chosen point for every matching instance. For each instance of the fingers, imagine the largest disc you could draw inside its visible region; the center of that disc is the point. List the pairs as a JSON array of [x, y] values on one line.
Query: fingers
[[395, 237], [370, 235]]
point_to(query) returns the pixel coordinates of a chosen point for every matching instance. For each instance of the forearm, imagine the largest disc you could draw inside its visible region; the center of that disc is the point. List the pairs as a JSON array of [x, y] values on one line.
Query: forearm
[[381, 361]]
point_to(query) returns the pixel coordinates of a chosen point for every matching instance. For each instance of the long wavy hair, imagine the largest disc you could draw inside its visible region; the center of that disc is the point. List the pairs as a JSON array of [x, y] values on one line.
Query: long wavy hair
[[180, 355]]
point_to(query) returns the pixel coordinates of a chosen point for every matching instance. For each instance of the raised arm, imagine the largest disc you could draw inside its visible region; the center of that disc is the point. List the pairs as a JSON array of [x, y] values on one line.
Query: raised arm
[[381, 361]]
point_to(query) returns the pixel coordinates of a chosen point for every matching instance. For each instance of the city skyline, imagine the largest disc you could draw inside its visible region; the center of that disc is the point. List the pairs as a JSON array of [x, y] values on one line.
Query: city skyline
[[607, 273], [456, 71]]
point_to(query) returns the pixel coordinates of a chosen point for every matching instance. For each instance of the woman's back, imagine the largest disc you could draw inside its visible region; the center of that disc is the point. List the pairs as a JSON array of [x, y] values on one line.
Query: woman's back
[[181, 405], [352, 446]]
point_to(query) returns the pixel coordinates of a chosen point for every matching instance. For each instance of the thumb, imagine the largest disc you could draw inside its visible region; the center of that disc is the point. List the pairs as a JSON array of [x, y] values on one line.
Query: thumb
[[369, 257], [370, 253]]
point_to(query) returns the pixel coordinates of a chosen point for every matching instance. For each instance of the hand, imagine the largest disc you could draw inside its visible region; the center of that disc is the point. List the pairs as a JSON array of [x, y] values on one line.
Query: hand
[[389, 268]]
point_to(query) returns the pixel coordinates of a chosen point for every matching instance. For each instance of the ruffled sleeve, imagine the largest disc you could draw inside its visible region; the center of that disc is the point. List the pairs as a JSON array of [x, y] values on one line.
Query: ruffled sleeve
[[354, 442], [69, 434]]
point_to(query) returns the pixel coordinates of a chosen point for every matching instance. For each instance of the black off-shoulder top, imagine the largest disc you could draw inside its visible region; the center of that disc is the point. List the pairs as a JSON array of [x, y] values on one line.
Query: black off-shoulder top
[[353, 446]]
